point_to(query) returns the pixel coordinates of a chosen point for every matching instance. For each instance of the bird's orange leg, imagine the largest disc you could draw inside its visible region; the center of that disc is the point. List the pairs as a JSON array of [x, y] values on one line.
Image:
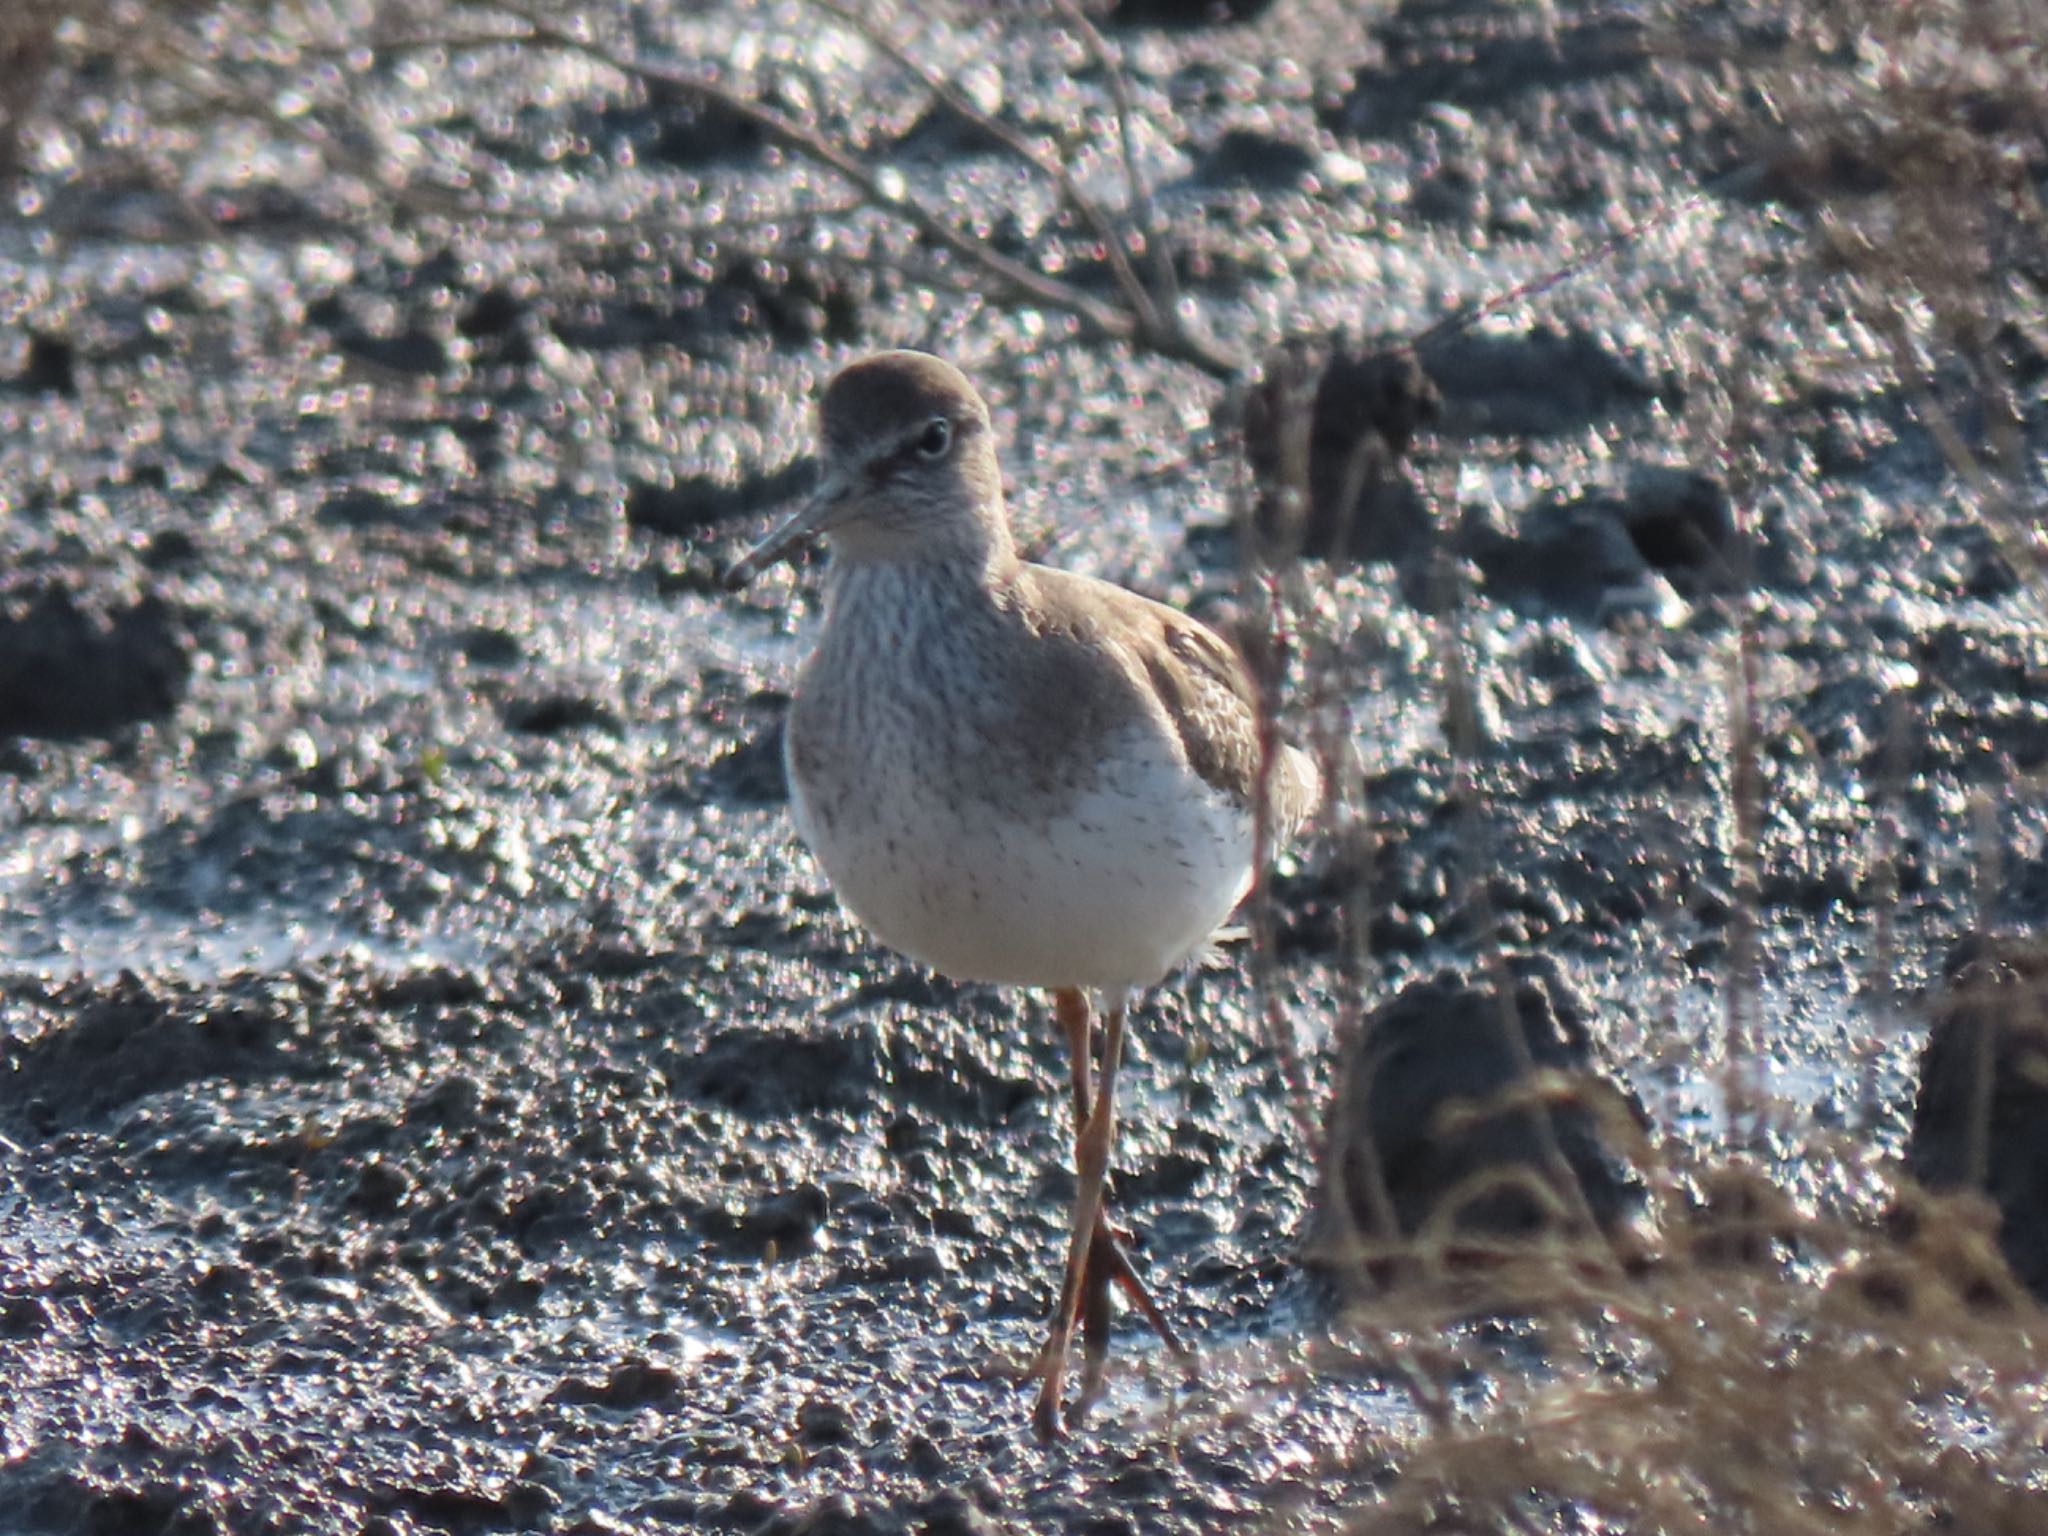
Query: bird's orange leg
[[1088, 1234], [1105, 1261]]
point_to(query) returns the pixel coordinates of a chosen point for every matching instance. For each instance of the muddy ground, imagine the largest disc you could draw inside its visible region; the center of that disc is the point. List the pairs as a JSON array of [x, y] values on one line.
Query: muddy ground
[[439, 1094]]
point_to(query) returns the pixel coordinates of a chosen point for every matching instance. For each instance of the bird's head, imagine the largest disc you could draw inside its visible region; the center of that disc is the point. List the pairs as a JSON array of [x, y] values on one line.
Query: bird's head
[[908, 471]]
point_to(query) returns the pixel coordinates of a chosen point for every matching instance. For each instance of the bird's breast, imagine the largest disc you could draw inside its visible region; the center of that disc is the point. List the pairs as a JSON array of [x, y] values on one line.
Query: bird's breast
[[1108, 879], [1004, 805]]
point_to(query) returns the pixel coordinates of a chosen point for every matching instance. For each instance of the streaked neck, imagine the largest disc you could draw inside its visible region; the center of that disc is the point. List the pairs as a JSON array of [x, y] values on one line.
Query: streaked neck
[[972, 551]]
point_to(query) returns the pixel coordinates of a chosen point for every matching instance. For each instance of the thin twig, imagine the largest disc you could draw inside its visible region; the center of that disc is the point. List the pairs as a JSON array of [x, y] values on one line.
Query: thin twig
[[1160, 334], [1054, 170], [1280, 1029], [1466, 316], [1134, 176]]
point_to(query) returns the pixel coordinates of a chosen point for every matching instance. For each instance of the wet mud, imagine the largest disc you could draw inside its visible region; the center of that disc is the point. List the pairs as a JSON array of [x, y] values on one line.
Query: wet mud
[[439, 1094]]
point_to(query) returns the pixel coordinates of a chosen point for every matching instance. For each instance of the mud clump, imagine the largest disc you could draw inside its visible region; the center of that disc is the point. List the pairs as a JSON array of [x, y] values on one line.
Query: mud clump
[[632, 1384], [750, 773], [132, 1041], [1474, 55], [1439, 1126], [782, 1224], [1683, 523], [80, 664], [51, 367], [560, 713], [766, 1072], [1325, 437], [1186, 14], [1545, 382], [1574, 560], [1980, 1116]]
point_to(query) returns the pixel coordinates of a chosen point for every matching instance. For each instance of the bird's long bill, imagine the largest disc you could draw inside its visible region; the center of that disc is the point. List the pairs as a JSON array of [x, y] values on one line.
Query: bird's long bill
[[810, 521]]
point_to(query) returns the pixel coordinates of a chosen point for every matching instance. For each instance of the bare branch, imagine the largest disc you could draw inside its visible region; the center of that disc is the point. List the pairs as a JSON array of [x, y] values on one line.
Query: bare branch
[[1053, 169], [1141, 194], [1163, 335]]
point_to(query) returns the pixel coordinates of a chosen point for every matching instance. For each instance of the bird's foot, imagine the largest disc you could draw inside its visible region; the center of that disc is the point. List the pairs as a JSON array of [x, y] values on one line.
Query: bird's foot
[[1108, 1269]]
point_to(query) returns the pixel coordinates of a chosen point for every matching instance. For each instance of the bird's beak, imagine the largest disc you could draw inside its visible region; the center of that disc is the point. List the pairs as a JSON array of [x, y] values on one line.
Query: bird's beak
[[813, 519]]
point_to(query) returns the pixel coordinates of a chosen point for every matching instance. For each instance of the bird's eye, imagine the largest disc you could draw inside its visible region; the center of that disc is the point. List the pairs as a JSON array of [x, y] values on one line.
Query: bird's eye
[[937, 438]]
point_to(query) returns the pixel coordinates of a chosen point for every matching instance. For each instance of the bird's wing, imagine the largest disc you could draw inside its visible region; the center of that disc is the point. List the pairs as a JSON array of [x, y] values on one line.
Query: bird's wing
[[1200, 683]]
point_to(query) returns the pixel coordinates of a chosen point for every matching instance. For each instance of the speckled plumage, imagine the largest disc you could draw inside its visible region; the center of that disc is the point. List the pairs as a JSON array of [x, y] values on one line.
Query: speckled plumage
[[1012, 773], [1039, 779]]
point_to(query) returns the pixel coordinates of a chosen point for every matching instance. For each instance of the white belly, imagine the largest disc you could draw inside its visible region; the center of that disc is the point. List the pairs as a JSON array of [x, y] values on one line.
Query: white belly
[[1110, 890]]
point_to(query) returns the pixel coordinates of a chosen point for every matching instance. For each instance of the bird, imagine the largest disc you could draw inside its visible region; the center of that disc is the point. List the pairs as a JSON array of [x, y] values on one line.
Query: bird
[[1016, 774]]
